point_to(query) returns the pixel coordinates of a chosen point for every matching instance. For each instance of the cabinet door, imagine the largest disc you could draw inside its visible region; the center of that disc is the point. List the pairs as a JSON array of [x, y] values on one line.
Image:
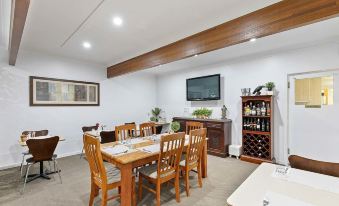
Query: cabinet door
[[215, 139]]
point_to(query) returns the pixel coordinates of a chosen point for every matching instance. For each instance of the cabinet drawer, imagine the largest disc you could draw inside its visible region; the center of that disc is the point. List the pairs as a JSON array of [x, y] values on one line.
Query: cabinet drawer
[[214, 125]]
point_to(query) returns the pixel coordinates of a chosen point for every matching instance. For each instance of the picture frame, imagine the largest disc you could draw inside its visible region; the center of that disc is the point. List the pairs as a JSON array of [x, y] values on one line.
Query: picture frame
[[45, 91]]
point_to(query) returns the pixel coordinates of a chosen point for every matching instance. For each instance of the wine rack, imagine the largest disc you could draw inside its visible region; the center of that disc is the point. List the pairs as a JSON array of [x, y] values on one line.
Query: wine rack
[[257, 133]]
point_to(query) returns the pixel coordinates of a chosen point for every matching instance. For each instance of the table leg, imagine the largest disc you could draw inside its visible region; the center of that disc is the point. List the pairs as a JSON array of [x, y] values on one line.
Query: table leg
[[126, 185], [204, 161]]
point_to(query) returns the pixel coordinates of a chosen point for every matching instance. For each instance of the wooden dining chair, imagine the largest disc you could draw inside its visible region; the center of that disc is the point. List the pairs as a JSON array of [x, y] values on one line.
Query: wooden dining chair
[[124, 132], [25, 153], [87, 129], [193, 125], [192, 159], [147, 129], [102, 177], [42, 150], [167, 168]]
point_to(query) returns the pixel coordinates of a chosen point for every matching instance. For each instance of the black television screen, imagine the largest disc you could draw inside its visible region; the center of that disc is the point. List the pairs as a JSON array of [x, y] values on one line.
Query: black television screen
[[203, 88]]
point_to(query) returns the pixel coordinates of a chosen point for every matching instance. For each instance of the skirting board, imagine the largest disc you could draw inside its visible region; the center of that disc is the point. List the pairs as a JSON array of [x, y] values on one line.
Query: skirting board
[[19, 163]]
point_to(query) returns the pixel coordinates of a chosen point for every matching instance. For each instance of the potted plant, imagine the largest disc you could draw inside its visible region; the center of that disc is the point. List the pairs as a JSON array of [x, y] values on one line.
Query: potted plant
[[202, 113], [270, 86], [175, 126], [155, 114]]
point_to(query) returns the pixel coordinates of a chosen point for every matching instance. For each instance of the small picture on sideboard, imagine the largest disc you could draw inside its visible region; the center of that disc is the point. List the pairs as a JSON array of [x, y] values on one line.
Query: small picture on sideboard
[[61, 92]]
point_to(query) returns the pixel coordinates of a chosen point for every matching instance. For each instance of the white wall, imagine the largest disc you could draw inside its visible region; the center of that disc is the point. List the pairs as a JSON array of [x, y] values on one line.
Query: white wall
[[243, 73], [123, 99]]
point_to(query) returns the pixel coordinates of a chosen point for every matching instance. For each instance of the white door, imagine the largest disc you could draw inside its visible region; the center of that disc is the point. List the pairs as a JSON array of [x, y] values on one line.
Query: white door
[[314, 132]]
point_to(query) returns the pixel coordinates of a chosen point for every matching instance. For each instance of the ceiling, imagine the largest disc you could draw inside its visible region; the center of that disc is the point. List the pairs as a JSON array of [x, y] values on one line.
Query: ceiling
[[147, 25], [310, 35]]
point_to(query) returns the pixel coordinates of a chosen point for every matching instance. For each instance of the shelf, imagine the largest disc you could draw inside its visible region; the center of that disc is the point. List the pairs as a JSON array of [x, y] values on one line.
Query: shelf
[[254, 160], [256, 132], [254, 116]]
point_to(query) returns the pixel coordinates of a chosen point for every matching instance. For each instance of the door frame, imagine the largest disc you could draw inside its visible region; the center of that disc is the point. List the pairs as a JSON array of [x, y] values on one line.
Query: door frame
[[289, 76]]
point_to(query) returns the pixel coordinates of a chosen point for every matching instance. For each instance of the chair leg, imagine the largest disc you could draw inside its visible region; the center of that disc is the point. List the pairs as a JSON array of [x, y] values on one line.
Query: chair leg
[[22, 164], [199, 175], [140, 188], [176, 185], [134, 202], [187, 182], [104, 197], [57, 169], [82, 152], [27, 170], [158, 192], [94, 193]]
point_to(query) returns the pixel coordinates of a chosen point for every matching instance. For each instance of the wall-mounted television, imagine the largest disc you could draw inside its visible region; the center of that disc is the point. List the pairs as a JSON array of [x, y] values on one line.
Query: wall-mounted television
[[203, 88]]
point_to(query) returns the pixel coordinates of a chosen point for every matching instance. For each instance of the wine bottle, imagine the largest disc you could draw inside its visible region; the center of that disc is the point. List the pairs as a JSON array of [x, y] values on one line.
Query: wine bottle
[[268, 110], [263, 126], [258, 112], [254, 111], [263, 109], [258, 125], [268, 126]]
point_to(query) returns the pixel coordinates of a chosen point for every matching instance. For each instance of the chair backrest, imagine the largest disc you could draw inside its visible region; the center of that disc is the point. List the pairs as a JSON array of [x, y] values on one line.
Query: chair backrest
[[326, 168], [37, 133], [124, 132], [107, 136], [94, 158], [171, 147], [89, 128], [42, 149], [192, 126], [147, 129], [196, 144]]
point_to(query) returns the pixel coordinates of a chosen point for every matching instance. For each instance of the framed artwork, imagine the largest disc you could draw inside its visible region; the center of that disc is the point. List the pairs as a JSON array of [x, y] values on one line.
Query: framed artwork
[[61, 92]]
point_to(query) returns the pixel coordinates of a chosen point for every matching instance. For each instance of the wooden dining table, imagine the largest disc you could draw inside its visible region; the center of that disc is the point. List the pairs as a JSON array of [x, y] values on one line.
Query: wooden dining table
[[137, 158]]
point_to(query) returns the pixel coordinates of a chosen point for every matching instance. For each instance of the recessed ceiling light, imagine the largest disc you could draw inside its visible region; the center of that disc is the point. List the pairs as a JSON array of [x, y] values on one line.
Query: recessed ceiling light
[[117, 21], [86, 45], [196, 55], [253, 39]]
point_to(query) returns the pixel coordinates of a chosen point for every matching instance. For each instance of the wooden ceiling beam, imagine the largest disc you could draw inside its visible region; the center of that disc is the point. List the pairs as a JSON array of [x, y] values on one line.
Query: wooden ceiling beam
[[279, 17], [18, 20]]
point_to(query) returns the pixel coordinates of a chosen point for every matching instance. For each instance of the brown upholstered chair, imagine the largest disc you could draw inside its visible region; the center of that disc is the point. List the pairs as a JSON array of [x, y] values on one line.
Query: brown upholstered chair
[[326, 168], [107, 136], [124, 132], [102, 177], [167, 168], [89, 128], [192, 126], [42, 150], [147, 129], [192, 159], [36, 134]]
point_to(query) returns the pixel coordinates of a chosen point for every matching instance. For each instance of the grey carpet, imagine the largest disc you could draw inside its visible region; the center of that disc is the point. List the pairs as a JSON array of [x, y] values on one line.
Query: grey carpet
[[224, 176]]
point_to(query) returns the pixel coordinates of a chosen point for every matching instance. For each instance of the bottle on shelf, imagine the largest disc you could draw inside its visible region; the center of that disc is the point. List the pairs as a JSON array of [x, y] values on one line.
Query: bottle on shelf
[[258, 112], [258, 125], [268, 126], [263, 109], [268, 110], [263, 126], [254, 111]]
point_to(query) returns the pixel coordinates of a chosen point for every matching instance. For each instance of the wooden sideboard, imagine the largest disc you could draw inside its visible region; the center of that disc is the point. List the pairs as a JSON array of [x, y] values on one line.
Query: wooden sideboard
[[218, 132]]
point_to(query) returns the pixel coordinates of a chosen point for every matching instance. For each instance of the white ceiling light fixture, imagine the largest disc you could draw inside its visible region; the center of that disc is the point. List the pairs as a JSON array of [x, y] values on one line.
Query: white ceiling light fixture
[[253, 39], [196, 55], [117, 21], [86, 45]]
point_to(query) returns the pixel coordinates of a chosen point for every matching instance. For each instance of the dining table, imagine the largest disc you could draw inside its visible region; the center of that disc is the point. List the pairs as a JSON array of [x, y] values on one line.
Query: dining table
[[137, 156], [41, 173], [277, 185]]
